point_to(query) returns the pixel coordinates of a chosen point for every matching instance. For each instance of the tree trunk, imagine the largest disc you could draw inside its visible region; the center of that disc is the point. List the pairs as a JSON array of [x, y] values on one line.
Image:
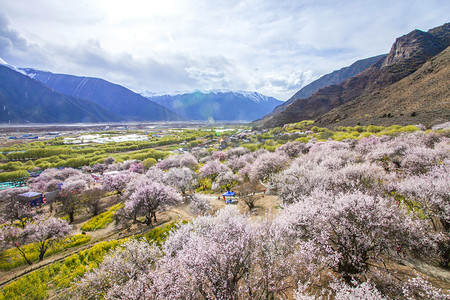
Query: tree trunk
[[42, 253], [24, 256], [148, 220]]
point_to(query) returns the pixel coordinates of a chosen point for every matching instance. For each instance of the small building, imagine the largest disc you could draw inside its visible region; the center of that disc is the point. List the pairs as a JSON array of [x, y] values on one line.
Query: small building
[[50, 197], [33, 198]]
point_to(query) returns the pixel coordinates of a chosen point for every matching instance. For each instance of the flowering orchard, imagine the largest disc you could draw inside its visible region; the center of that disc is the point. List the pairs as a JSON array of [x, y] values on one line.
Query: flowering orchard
[[347, 212], [349, 207]]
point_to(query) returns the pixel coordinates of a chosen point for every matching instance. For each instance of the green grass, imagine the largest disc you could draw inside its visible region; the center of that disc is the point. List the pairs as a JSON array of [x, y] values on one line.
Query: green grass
[[102, 220]]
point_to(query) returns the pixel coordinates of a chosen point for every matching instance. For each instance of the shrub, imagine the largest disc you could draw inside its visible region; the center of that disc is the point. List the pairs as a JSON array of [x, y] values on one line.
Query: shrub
[[325, 134], [13, 176], [251, 147], [374, 129], [318, 129], [102, 220], [149, 162]]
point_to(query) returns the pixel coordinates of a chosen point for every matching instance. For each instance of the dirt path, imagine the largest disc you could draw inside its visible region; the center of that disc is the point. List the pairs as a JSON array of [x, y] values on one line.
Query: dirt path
[[428, 269]]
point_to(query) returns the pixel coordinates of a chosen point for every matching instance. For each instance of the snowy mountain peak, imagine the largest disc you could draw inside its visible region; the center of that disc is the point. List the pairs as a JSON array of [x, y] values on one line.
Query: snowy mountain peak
[[4, 63], [253, 96]]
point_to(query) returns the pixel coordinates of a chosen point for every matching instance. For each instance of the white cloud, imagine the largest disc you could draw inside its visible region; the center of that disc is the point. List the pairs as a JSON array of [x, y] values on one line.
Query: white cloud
[[272, 46]]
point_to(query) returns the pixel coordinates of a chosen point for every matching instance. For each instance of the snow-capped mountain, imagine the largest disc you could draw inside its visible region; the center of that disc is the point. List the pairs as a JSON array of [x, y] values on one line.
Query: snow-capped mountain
[[117, 99], [223, 105], [4, 63], [25, 100], [254, 96]]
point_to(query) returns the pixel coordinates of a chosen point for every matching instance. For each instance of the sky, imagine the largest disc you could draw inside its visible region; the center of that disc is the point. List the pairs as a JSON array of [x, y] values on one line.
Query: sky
[[274, 47]]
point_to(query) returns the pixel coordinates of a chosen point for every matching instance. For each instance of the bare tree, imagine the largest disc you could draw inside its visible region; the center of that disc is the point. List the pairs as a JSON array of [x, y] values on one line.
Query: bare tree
[[91, 199]]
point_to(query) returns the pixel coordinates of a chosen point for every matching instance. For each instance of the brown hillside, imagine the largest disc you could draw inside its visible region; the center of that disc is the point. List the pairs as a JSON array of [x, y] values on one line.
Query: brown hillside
[[423, 97], [407, 55]]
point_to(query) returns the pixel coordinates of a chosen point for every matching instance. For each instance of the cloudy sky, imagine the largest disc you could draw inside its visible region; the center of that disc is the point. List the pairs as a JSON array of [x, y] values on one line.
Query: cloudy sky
[[271, 46]]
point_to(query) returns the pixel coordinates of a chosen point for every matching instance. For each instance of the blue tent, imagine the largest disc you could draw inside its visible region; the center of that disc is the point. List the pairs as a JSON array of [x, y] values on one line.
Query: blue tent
[[229, 194], [230, 199]]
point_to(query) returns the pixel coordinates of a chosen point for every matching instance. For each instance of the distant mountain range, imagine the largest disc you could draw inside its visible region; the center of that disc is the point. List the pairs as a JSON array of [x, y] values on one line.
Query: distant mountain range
[[23, 99], [218, 105], [409, 85], [129, 106], [29, 95]]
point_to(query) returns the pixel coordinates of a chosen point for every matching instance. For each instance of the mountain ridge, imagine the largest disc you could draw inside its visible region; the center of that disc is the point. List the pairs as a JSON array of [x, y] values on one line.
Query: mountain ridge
[[412, 100], [219, 105], [334, 77], [27, 100], [113, 97], [408, 53]]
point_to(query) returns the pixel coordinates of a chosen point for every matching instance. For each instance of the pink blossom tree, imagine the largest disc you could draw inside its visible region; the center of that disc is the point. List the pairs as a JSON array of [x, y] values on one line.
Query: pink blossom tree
[[126, 165], [137, 167], [49, 179], [109, 160], [155, 174], [431, 192], [99, 168], [301, 179], [44, 232], [176, 161], [235, 163], [199, 205], [70, 183], [47, 231], [125, 273], [420, 288], [225, 180], [214, 253], [237, 151], [15, 208], [342, 291], [212, 169], [353, 228], [199, 153], [17, 237], [268, 164], [281, 262], [116, 182], [69, 195], [364, 177], [219, 155], [245, 172], [147, 199], [292, 149], [183, 179]]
